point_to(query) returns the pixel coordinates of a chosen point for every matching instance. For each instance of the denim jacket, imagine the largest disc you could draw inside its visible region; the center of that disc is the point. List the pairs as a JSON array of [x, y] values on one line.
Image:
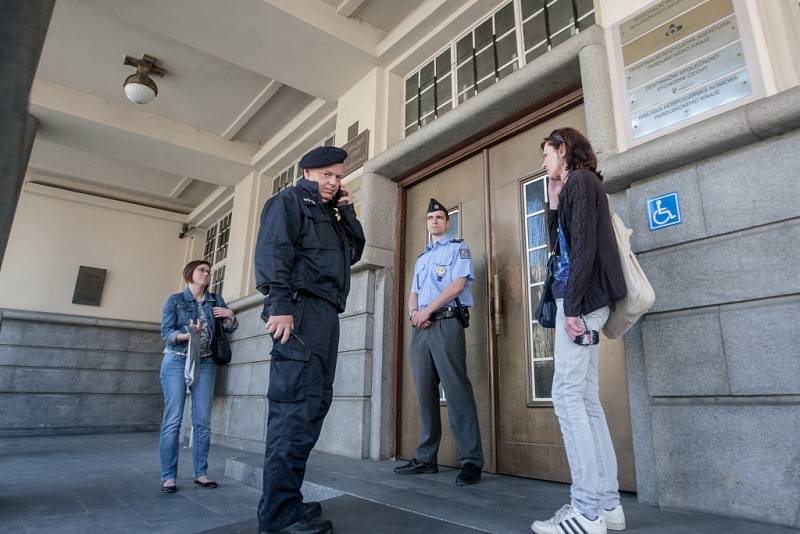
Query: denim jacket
[[179, 309]]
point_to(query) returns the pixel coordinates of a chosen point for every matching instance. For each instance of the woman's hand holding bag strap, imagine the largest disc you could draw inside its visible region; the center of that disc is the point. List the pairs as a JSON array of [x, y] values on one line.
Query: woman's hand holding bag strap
[[220, 347]]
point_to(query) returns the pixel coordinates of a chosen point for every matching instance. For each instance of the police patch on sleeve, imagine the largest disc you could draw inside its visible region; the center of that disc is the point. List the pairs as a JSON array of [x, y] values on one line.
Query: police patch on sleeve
[[463, 253]]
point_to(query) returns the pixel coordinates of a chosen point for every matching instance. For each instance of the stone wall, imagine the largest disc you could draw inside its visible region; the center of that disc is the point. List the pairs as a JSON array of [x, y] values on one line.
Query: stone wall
[[716, 363], [240, 404], [63, 374]]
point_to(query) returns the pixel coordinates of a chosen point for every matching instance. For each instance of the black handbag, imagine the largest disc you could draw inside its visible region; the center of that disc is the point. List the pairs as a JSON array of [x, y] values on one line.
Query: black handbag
[[220, 347], [546, 310]]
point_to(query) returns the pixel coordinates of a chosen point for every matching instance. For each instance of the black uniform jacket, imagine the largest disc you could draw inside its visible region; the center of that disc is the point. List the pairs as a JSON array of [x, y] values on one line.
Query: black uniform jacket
[[595, 274], [303, 246]]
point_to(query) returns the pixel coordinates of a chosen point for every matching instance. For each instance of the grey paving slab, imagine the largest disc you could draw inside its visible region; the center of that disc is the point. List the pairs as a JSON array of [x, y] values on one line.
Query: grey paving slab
[[500, 504], [351, 515], [110, 483]]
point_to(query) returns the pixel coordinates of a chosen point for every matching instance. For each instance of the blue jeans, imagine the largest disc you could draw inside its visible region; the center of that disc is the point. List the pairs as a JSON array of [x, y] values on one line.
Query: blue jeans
[[174, 387], [576, 399]]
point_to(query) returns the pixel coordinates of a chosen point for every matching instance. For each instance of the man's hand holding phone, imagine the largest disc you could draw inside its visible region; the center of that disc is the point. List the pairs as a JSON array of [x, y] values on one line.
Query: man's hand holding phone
[[343, 196]]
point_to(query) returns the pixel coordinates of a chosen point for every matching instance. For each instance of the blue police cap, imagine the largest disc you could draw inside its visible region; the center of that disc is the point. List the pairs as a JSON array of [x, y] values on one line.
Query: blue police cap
[[322, 156]]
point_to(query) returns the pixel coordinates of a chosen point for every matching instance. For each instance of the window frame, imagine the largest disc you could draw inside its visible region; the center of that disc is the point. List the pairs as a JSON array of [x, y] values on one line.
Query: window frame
[[531, 358], [521, 57], [214, 233]]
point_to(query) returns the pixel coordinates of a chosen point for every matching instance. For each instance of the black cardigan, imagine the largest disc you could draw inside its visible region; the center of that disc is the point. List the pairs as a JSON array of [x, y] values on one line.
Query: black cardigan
[[595, 274]]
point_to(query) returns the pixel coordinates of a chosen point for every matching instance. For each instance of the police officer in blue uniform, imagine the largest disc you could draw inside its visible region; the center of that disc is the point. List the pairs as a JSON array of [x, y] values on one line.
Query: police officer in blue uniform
[[308, 239], [438, 309]]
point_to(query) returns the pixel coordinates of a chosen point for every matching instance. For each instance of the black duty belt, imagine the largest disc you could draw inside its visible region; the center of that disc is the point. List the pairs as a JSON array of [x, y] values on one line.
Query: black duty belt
[[448, 313]]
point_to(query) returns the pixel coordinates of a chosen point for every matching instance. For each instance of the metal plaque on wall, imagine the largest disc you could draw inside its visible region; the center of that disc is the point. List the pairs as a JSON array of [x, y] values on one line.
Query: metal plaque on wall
[[682, 59], [357, 152], [89, 286]]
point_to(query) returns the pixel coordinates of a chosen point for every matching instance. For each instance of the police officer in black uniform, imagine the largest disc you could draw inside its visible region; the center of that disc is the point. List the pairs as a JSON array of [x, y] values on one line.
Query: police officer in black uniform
[[308, 239]]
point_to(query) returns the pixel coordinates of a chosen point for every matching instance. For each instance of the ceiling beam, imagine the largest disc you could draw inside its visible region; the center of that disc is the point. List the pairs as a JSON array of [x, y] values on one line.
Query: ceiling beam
[[348, 7], [180, 187], [123, 132], [328, 53], [306, 120], [252, 108]]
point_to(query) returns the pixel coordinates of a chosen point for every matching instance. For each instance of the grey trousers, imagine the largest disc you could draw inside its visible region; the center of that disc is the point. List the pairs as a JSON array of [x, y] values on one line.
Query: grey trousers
[[438, 353]]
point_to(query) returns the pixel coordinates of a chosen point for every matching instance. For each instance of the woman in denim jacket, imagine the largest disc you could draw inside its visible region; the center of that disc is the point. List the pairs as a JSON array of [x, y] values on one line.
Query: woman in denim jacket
[[191, 311]]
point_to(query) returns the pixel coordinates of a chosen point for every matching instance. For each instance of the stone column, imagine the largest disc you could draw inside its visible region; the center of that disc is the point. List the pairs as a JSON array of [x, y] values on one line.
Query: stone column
[[598, 101], [379, 219], [22, 30]]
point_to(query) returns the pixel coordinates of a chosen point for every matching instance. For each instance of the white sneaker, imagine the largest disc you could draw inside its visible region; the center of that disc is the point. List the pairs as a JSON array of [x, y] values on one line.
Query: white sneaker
[[568, 520], [614, 518]]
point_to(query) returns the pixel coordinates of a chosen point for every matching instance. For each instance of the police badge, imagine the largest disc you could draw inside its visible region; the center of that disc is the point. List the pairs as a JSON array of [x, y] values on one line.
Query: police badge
[[440, 270]]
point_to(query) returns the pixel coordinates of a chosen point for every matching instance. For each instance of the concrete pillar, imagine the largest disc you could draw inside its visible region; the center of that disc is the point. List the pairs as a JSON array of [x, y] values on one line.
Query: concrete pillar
[[379, 218], [22, 30], [239, 275], [598, 100]]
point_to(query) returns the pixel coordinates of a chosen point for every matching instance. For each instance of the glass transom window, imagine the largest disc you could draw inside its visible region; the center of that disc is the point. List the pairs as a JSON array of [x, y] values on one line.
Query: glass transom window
[[512, 35]]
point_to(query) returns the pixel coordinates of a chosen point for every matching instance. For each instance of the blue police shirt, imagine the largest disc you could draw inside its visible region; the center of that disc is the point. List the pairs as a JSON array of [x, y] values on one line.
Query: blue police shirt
[[440, 264]]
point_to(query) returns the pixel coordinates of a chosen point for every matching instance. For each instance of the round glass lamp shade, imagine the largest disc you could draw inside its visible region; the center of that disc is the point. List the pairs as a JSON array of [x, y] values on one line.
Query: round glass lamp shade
[[139, 93]]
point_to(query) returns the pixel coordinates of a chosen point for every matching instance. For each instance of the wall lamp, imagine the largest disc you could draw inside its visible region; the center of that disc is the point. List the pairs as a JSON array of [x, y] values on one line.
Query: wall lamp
[[185, 229], [139, 87]]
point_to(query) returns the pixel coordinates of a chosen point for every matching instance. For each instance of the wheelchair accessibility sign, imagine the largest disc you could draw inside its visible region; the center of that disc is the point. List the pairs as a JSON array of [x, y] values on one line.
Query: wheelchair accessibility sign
[[663, 211]]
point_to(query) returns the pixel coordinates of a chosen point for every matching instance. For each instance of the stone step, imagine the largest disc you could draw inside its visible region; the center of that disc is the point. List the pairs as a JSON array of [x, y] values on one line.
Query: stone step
[[498, 504]]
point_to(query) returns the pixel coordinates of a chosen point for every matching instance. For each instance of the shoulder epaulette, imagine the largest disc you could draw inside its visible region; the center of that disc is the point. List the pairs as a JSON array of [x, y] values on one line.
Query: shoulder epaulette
[[456, 240]]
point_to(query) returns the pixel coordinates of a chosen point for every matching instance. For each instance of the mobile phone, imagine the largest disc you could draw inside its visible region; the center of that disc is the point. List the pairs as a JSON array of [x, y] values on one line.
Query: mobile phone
[[336, 197], [589, 337]]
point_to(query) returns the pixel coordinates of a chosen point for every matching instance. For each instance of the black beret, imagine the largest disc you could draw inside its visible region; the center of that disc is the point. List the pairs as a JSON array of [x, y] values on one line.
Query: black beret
[[435, 205], [322, 156]]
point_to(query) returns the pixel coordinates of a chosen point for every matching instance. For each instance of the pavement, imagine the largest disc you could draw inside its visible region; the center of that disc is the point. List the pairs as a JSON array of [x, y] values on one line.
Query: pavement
[[104, 483]]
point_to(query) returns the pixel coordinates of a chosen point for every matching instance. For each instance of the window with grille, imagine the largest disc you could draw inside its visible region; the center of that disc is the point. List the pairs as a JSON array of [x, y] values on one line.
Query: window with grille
[[429, 92], [540, 346], [215, 251], [546, 24], [286, 178], [487, 54], [512, 35]]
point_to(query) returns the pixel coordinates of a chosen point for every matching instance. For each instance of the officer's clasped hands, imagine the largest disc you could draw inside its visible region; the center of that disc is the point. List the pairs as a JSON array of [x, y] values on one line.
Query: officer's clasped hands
[[421, 319]]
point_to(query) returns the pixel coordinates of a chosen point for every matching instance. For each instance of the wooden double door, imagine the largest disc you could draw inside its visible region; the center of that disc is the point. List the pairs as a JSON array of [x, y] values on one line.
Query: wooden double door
[[496, 197]]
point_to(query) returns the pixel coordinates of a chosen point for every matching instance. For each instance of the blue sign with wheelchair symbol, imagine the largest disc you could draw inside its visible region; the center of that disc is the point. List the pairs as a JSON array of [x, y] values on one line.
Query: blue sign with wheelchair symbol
[[663, 211]]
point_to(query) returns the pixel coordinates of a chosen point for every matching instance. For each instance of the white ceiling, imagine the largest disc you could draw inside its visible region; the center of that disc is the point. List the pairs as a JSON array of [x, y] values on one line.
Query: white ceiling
[[240, 72]]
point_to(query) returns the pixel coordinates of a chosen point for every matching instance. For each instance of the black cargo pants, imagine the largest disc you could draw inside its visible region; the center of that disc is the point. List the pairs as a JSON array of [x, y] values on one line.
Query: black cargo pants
[[299, 396]]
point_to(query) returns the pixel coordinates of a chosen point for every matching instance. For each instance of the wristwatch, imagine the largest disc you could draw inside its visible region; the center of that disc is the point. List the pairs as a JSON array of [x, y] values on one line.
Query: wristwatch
[[411, 312]]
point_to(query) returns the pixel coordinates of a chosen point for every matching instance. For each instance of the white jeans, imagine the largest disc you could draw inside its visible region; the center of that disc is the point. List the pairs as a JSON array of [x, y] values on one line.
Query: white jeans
[[576, 400]]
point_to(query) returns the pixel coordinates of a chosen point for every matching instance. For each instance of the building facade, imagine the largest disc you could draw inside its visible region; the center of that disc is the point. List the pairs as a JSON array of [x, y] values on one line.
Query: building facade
[[693, 108]]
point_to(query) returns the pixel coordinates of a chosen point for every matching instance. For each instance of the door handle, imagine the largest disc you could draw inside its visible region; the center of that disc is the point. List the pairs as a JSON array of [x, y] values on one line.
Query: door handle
[[496, 307]]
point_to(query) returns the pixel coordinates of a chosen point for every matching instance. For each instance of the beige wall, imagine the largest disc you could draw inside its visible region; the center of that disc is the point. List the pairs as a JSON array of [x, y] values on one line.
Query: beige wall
[[55, 232]]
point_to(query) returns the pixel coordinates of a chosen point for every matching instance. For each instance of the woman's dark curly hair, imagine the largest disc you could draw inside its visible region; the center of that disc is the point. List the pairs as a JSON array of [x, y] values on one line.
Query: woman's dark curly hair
[[579, 153]]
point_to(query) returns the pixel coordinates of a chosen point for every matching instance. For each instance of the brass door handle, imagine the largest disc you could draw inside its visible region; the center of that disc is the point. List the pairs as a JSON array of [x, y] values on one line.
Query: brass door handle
[[496, 306]]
